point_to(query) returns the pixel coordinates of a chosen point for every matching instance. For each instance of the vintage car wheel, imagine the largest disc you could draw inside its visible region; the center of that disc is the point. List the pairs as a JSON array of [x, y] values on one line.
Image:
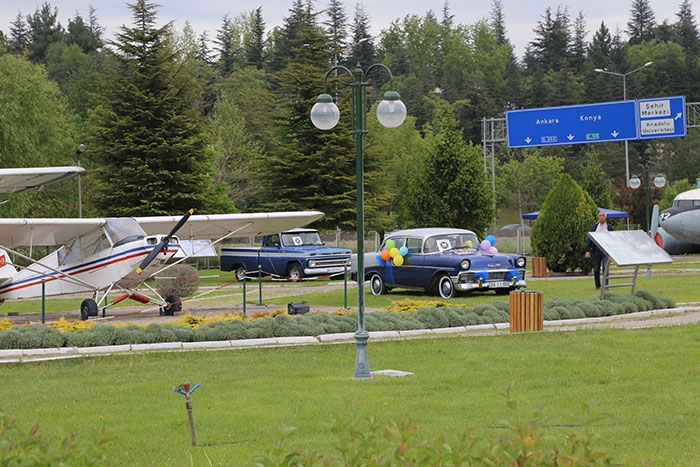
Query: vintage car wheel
[[446, 288], [295, 272], [88, 308], [376, 284]]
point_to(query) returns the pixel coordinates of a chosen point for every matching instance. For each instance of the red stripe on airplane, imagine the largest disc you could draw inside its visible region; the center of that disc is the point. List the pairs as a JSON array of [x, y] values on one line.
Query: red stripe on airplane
[[53, 278]]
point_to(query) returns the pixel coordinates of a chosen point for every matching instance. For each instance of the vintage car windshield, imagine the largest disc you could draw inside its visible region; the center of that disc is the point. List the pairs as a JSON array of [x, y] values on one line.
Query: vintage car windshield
[[301, 239], [122, 230], [444, 242]]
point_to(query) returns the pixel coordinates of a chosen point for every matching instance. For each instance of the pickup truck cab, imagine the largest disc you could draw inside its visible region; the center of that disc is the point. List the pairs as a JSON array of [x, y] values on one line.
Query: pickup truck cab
[[294, 254]]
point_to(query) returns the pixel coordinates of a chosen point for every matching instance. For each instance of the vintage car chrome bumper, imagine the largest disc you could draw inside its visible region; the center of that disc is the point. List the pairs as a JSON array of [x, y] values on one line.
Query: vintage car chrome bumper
[[321, 271], [497, 280]]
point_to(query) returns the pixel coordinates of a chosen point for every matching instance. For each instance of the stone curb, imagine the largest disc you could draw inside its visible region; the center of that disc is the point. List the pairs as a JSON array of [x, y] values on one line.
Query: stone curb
[[32, 355]]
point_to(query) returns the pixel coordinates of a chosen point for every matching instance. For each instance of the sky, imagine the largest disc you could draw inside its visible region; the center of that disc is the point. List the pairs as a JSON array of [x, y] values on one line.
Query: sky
[[205, 15]]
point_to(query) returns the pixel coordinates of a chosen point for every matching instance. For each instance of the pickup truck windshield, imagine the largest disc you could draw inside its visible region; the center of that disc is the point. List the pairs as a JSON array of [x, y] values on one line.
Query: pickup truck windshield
[[301, 239]]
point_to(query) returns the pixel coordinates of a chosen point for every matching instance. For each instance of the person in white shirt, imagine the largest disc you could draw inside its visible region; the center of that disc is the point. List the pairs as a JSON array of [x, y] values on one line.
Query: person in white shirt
[[592, 250]]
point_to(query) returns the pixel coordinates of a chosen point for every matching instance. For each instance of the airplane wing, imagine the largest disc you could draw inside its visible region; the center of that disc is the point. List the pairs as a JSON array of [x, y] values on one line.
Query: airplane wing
[[33, 178], [16, 232], [218, 225]]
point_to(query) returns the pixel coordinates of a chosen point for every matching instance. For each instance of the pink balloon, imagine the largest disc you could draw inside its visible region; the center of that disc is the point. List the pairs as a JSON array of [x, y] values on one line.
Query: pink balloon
[[493, 250]]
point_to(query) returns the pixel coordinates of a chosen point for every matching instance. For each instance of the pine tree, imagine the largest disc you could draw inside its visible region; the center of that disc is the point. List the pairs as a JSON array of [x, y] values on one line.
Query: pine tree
[[579, 46], [599, 85], [20, 36], [45, 30], [311, 169], [641, 25], [282, 37], [228, 41], [361, 49], [83, 35], [452, 170], [336, 28], [687, 31], [254, 40], [156, 159]]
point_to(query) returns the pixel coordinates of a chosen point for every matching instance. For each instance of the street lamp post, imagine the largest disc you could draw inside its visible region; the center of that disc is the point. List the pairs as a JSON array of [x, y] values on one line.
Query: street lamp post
[[624, 97], [391, 113], [634, 183]]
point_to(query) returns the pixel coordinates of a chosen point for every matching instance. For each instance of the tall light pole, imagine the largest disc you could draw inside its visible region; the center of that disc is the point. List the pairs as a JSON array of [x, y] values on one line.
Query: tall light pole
[[391, 112], [624, 97]]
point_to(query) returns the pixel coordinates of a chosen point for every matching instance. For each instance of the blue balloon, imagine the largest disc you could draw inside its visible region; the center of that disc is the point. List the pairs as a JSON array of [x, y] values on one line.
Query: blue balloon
[[491, 239], [379, 258], [403, 251]]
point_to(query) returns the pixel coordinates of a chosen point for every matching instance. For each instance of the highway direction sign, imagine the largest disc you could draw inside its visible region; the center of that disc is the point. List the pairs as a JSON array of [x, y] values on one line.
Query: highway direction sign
[[662, 117], [574, 124]]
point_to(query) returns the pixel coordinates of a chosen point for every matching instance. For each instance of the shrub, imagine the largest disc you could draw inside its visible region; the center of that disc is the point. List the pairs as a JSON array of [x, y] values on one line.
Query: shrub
[[181, 280], [184, 333], [561, 229], [130, 335], [160, 333], [551, 315], [503, 306]]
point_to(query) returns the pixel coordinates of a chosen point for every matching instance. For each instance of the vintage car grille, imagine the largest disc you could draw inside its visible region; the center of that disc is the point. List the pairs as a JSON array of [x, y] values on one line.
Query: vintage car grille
[[493, 276], [331, 262]]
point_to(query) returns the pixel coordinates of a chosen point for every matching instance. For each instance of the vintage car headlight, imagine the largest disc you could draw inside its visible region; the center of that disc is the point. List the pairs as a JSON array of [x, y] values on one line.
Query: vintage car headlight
[[520, 262], [465, 264], [312, 263]]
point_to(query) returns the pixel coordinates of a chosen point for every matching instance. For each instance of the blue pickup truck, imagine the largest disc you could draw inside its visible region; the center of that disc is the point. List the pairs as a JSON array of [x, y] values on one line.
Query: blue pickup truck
[[294, 254]]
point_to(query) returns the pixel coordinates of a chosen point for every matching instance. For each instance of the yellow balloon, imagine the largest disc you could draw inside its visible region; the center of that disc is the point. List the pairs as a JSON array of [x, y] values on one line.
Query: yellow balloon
[[394, 252], [398, 260], [470, 244]]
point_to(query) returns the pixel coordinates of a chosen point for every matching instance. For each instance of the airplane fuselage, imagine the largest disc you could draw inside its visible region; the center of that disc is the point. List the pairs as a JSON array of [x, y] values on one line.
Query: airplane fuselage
[[682, 220], [96, 272]]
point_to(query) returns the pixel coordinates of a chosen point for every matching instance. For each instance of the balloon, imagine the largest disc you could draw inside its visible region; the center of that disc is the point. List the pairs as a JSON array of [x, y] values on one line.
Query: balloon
[[398, 260], [390, 244], [493, 250], [491, 239], [469, 244], [485, 245], [403, 251], [386, 256], [379, 258], [394, 252]]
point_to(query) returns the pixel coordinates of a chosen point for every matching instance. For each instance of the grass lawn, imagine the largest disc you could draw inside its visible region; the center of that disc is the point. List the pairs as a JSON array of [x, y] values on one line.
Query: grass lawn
[[646, 380]]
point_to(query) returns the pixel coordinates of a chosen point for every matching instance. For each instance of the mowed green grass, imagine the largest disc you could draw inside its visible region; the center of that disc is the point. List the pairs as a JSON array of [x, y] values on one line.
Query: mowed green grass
[[647, 381]]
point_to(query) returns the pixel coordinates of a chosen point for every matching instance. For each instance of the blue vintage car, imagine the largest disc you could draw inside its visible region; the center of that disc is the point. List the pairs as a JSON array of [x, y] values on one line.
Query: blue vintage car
[[443, 260]]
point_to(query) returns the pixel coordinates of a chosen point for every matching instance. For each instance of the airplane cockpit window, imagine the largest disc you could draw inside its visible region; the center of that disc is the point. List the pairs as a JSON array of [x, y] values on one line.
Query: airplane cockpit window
[[83, 247], [123, 230]]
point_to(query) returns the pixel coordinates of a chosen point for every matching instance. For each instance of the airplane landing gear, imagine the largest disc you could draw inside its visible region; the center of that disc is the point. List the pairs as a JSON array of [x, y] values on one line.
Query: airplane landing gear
[[88, 308], [173, 304]]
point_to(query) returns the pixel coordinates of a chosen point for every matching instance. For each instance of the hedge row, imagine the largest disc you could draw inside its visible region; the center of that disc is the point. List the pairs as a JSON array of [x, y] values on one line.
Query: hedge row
[[283, 325]]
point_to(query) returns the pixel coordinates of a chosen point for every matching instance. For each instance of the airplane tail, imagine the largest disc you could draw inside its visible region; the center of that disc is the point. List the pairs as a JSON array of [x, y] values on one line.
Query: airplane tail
[[7, 271], [654, 232]]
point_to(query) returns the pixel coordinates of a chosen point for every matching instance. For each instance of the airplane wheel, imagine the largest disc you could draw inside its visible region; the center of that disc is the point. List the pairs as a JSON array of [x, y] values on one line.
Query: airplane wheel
[[88, 308], [173, 304]]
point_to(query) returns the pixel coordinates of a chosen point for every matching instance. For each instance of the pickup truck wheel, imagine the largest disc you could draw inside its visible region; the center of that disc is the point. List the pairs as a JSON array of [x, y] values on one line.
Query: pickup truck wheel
[[376, 285], [446, 288], [294, 272], [240, 272]]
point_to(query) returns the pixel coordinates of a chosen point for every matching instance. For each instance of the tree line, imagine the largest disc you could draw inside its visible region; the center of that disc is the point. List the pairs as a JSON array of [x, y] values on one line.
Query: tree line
[[174, 119]]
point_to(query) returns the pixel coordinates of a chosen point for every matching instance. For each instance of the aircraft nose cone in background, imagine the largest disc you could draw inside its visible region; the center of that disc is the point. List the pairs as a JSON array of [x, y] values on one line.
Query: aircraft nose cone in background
[[683, 224]]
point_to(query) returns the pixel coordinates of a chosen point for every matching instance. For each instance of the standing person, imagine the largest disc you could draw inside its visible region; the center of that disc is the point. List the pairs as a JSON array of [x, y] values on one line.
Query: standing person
[[599, 258]]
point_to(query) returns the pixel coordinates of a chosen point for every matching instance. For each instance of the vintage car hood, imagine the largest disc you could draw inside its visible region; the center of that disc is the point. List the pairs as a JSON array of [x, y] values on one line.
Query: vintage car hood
[[316, 250]]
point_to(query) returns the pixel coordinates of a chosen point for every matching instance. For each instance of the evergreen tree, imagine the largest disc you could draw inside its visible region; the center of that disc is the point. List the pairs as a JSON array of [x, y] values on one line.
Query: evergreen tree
[[336, 28], [20, 36], [550, 49], [559, 234], [452, 170], [311, 169], [599, 85], [45, 30], [595, 181], [228, 41], [156, 157], [254, 40], [579, 46], [498, 21], [641, 25], [361, 49], [687, 31], [281, 40], [83, 35]]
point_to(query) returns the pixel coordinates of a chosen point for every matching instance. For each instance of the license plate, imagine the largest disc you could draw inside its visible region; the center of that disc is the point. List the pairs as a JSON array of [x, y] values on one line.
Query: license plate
[[499, 285]]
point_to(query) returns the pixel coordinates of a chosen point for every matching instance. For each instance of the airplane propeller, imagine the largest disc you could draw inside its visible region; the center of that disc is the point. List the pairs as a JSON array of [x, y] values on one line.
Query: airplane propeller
[[163, 243]]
